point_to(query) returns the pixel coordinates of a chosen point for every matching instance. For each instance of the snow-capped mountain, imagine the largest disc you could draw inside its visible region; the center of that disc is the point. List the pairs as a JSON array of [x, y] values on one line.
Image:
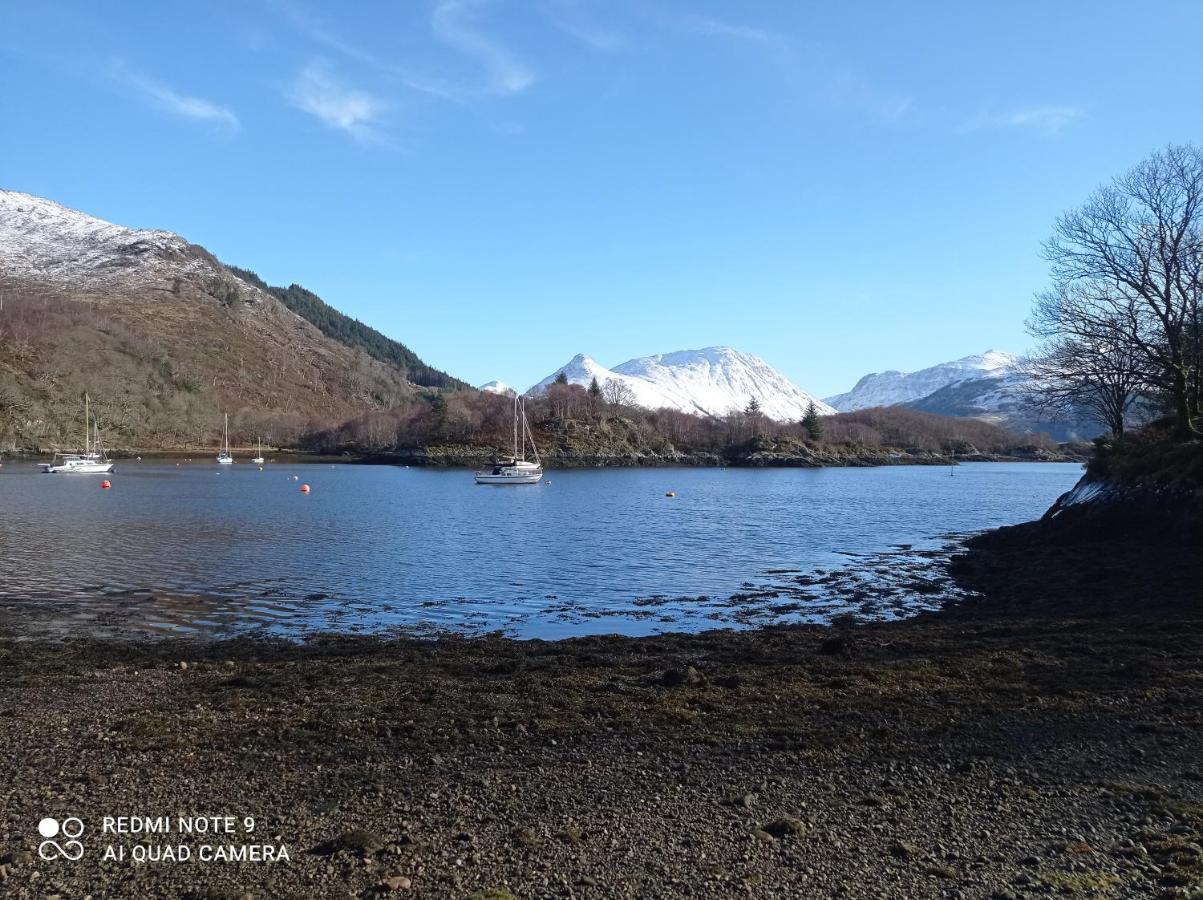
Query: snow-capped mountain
[[498, 387], [987, 386], [713, 381], [45, 240], [893, 387], [165, 337]]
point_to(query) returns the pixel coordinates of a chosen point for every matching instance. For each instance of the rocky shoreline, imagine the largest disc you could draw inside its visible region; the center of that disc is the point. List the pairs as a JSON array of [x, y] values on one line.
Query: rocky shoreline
[[1045, 737], [463, 457], [819, 457]]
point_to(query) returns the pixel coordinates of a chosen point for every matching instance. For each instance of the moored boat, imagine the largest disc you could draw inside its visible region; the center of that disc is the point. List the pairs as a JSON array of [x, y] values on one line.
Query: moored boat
[[93, 461], [224, 457], [516, 468]]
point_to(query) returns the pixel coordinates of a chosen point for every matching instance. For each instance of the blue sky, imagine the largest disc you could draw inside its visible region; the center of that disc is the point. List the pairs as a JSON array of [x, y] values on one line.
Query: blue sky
[[840, 188]]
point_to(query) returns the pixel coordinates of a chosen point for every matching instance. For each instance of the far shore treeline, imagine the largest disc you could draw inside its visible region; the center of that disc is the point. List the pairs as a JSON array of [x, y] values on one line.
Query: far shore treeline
[[574, 421]]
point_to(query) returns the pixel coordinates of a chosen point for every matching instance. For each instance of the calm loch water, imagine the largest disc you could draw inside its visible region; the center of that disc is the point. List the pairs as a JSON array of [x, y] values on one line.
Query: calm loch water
[[198, 549]]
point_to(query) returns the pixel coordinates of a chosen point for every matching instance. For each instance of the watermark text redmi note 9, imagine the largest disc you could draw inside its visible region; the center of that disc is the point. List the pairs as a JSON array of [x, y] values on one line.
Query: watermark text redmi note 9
[[159, 840]]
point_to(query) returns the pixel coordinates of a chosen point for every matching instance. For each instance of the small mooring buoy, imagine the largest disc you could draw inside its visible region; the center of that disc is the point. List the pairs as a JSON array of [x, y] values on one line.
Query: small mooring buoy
[[304, 489], [105, 485]]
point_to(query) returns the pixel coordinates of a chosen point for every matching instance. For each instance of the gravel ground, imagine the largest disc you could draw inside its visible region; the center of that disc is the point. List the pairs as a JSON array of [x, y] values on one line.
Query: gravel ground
[[1045, 738]]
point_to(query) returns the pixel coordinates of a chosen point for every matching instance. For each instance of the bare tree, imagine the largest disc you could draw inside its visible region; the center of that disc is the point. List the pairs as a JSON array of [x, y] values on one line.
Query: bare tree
[[1087, 358], [618, 394], [1128, 265], [1069, 374]]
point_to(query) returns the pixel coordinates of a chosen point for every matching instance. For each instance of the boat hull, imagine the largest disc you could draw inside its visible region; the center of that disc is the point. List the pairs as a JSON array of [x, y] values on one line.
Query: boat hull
[[516, 478], [80, 469]]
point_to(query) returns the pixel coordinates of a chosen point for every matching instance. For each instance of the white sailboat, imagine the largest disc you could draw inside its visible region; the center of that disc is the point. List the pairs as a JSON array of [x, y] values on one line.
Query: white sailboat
[[516, 469], [258, 460], [93, 461], [224, 458]]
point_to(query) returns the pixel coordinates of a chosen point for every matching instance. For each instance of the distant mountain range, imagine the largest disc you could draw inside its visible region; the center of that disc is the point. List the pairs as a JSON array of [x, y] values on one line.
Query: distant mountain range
[[713, 381], [166, 338], [987, 386], [893, 387]]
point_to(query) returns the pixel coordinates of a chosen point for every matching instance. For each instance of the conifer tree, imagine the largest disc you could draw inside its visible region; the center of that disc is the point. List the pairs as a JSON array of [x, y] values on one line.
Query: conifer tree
[[812, 423]]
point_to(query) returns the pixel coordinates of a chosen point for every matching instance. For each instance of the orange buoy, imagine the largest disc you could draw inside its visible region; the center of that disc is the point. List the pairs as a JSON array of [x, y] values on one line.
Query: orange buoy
[[105, 485], [304, 489]]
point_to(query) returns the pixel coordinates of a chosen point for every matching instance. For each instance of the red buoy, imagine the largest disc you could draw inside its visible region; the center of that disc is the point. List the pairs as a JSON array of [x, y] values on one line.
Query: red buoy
[[105, 485], [304, 489]]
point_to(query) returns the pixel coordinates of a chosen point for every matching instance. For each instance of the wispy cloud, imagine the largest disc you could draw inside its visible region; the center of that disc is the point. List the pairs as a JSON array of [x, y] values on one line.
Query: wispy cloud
[[818, 71], [163, 96], [571, 17], [320, 32], [1048, 120], [841, 85], [711, 27], [318, 92], [456, 23]]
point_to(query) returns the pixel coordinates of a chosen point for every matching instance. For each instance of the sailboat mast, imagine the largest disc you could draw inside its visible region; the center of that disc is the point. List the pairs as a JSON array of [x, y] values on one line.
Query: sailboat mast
[[87, 427], [526, 435], [517, 400]]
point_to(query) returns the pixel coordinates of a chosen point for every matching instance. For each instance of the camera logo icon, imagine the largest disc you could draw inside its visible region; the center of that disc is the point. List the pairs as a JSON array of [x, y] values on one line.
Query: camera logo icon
[[70, 828]]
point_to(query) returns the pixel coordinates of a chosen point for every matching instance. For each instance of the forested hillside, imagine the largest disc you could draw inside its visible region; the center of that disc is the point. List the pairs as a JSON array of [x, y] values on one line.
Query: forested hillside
[[167, 340], [352, 332]]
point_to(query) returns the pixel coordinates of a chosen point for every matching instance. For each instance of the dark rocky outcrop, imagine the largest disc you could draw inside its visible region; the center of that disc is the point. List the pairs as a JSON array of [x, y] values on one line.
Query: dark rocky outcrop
[[1100, 507]]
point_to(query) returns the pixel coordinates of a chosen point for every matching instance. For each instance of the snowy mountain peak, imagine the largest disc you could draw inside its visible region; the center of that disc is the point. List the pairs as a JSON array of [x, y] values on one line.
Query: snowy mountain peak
[[44, 239], [711, 381], [498, 387], [990, 360], [893, 387]]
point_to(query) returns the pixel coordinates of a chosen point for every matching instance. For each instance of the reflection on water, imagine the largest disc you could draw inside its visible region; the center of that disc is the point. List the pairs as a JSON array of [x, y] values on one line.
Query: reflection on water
[[195, 548]]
